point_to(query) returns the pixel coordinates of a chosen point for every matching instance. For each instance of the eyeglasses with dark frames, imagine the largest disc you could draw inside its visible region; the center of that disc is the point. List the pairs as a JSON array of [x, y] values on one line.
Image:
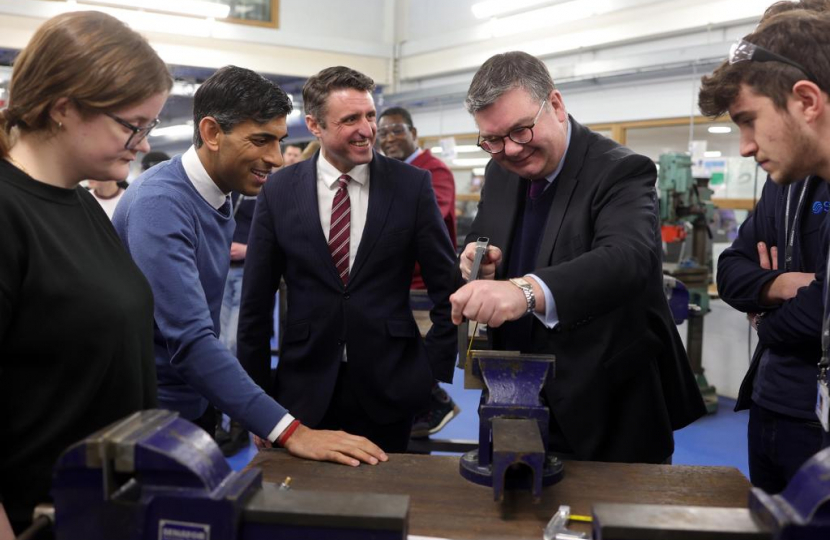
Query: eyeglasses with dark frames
[[744, 51], [520, 135], [139, 133]]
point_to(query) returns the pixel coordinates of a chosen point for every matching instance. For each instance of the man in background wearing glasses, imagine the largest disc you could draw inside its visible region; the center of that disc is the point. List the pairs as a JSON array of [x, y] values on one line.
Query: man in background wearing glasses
[[773, 86], [574, 270]]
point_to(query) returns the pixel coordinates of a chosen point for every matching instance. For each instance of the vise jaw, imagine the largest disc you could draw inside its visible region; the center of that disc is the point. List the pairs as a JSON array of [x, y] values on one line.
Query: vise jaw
[[155, 476], [513, 424]]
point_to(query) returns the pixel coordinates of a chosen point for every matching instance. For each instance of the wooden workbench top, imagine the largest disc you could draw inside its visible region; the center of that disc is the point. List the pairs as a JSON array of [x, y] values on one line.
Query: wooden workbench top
[[443, 504]]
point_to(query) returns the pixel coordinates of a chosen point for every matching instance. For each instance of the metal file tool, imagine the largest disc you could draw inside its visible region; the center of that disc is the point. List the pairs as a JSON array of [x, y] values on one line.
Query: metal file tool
[[464, 328], [481, 248]]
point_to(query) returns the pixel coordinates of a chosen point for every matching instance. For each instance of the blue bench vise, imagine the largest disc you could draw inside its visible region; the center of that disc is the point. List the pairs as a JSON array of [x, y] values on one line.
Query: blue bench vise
[[155, 476], [800, 512], [513, 423], [678, 298]]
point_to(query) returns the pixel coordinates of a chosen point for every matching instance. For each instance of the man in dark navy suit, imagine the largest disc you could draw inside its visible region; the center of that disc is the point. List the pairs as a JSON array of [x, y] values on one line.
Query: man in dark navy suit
[[345, 230], [575, 269]]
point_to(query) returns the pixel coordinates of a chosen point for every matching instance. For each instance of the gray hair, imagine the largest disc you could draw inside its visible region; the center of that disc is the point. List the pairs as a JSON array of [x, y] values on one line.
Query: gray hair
[[506, 71]]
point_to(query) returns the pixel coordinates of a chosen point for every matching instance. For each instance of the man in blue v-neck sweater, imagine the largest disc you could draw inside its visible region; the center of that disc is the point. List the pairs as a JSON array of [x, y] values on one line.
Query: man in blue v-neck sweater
[[176, 223]]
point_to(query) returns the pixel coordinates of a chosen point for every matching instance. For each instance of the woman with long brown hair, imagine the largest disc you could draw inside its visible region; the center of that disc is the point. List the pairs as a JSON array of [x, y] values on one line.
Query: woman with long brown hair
[[76, 314]]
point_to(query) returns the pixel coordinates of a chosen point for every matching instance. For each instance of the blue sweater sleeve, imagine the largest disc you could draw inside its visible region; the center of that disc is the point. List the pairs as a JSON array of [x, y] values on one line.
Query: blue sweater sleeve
[[163, 239], [740, 276]]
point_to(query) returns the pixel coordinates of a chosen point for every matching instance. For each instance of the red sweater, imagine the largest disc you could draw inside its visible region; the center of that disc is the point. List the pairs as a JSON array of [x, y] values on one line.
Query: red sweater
[[443, 184]]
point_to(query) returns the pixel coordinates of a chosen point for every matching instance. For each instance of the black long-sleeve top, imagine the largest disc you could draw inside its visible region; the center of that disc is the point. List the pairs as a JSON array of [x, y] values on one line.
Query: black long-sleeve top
[[76, 332]]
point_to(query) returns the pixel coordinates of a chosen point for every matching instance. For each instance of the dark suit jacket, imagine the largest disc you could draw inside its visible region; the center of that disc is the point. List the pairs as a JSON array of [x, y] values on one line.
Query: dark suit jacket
[[623, 380], [790, 334], [390, 366]]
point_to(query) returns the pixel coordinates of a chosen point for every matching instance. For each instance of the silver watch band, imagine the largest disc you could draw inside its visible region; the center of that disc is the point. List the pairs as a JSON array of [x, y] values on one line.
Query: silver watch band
[[527, 289]]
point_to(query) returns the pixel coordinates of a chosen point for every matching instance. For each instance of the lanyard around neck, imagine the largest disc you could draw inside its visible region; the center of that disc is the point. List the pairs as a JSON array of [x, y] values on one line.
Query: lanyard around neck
[[789, 233]]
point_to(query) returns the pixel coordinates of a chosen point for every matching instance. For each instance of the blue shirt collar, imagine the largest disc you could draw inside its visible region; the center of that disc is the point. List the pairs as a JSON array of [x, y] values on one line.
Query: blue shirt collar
[[414, 155]]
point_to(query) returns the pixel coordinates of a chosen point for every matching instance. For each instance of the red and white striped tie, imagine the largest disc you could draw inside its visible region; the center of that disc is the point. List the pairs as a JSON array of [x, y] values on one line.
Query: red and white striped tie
[[339, 232]]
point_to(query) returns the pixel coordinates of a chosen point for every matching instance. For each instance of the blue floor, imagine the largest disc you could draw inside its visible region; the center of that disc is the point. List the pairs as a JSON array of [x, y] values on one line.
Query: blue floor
[[716, 439]]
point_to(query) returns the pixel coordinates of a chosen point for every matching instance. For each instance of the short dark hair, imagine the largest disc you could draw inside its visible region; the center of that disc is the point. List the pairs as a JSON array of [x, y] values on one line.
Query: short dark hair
[[151, 159], [234, 95], [317, 88], [798, 35], [398, 111], [504, 72], [783, 6]]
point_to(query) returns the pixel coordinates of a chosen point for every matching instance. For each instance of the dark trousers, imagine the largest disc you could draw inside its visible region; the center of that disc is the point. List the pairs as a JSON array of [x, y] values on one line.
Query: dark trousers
[[778, 445], [208, 421], [345, 413], [560, 448]]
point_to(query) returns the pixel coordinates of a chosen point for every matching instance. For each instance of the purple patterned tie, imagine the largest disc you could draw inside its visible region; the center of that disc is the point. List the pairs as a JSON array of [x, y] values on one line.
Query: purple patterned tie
[[340, 230], [537, 187]]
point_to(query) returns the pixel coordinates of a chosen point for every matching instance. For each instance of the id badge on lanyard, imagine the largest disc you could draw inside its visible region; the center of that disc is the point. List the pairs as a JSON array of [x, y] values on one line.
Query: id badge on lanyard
[[823, 404]]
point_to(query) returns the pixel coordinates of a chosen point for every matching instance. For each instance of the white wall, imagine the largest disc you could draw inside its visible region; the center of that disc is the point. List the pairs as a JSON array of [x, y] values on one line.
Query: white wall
[[639, 60], [443, 37], [728, 343], [607, 103], [311, 36]]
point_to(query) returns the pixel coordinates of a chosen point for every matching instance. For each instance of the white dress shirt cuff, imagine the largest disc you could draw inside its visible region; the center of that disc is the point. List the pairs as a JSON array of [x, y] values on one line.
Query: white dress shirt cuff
[[551, 318], [284, 422]]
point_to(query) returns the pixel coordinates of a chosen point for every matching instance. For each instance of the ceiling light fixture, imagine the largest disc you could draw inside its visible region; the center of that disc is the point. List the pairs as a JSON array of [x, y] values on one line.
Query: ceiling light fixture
[[493, 8], [194, 8], [720, 129], [179, 131], [184, 88], [555, 15]]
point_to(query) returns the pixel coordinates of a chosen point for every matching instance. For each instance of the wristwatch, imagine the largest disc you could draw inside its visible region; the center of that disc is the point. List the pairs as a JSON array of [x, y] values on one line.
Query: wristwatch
[[526, 288]]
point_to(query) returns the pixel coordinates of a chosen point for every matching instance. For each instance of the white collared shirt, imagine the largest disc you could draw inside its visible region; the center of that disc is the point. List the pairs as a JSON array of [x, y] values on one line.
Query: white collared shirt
[[201, 180], [327, 186]]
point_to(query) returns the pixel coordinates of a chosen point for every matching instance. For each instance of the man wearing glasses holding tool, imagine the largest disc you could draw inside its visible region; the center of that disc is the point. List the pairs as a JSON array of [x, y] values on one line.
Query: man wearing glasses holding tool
[[176, 223], [574, 269], [773, 88]]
